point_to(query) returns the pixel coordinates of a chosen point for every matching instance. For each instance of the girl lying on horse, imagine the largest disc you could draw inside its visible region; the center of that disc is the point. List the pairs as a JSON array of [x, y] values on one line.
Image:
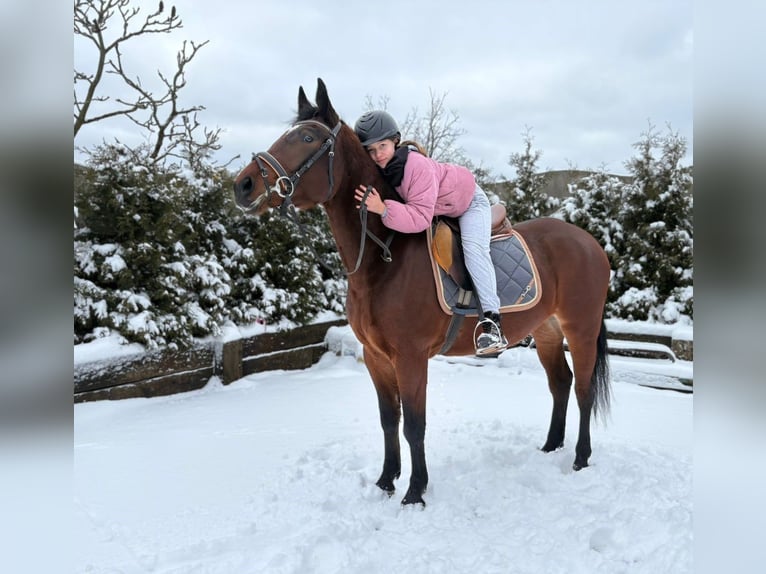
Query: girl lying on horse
[[430, 188]]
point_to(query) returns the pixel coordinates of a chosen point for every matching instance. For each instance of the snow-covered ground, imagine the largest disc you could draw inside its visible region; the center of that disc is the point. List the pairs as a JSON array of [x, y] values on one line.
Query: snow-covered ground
[[275, 474]]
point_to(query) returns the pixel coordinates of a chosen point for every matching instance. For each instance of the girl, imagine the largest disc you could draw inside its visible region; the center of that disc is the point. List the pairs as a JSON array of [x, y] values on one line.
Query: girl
[[430, 188]]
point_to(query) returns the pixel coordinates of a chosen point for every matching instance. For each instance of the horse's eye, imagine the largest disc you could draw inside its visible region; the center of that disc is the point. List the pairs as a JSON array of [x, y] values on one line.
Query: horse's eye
[[308, 138]]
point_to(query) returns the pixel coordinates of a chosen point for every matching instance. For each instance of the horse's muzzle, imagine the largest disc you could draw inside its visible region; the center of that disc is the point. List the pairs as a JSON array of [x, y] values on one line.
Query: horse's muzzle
[[243, 192]]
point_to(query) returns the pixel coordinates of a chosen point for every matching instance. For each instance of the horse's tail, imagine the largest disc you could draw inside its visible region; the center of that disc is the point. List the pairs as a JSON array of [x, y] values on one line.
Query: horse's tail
[[600, 380]]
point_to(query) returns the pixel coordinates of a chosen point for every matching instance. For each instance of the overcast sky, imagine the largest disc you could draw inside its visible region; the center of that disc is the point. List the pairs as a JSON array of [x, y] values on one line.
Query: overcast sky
[[587, 77]]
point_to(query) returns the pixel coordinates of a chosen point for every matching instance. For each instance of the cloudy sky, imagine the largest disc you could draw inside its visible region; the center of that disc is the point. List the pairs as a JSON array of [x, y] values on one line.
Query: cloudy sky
[[587, 78]]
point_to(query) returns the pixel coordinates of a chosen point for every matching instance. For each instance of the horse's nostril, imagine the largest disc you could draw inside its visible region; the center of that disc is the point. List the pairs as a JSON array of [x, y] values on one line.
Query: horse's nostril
[[244, 187]]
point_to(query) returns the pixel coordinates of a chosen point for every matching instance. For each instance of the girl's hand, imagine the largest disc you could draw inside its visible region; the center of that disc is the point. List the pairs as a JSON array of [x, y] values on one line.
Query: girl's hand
[[373, 202]]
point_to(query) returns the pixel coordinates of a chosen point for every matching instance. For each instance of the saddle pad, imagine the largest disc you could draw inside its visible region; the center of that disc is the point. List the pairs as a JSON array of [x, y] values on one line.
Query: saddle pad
[[518, 281]]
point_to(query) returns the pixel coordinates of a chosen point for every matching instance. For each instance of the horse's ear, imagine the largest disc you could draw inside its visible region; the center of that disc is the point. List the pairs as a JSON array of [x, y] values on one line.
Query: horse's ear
[[305, 109], [326, 110]]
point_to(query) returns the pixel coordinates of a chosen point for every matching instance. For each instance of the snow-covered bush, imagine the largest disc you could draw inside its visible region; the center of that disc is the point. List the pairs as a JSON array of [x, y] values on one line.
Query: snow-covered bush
[[646, 228], [161, 255]]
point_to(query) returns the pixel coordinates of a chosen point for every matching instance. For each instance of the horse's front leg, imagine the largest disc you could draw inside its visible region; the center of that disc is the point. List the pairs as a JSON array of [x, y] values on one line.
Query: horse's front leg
[[384, 378], [412, 374]]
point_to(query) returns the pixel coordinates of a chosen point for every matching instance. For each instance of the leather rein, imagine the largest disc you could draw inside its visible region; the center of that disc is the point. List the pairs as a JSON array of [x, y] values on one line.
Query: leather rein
[[285, 184]]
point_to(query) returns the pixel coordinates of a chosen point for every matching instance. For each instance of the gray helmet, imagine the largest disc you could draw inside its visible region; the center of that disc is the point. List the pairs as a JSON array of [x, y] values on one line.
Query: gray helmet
[[375, 126]]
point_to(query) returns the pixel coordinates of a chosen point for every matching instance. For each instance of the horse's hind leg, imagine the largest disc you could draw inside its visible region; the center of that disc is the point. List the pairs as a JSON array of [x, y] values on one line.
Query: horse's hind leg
[[384, 378], [583, 347], [549, 341], [588, 349]]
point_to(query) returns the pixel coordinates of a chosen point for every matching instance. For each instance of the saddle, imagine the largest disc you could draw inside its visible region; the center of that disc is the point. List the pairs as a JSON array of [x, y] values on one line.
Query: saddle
[[447, 249], [517, 276]]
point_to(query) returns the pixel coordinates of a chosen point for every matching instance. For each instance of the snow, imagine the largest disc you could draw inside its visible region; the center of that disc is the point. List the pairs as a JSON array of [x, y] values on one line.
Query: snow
[[639, 327], [109, 346], [677, 331], [683, 333], [275, 473], [113, 345]]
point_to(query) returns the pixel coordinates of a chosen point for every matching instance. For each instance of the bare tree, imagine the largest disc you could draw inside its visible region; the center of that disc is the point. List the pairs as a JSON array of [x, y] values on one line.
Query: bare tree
[[173, 128], [437, 131]]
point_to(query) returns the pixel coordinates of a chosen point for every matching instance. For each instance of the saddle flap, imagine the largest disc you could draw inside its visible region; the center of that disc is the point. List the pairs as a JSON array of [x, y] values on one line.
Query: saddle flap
[[448, 254]]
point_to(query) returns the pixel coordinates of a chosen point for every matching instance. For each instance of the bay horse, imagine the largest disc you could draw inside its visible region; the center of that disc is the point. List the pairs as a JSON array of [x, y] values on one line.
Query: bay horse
[[392, 307]]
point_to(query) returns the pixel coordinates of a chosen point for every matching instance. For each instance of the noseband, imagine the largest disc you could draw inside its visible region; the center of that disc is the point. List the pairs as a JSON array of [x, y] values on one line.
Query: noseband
[[285, 184]]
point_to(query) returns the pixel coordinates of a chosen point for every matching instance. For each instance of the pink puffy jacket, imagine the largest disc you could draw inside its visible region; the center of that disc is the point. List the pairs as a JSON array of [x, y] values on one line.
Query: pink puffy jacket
[[429, 188]]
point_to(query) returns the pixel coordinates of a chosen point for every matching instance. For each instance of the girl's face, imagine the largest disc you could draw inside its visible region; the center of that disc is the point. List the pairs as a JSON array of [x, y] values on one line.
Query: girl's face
[[381, 152]]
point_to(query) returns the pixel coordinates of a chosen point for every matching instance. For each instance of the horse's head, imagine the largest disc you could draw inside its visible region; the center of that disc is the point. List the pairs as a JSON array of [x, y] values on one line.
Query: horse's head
[[299, 167]]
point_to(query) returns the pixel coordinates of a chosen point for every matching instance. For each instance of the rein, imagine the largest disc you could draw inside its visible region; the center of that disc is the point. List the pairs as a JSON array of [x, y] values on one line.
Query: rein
[[284, 187], [386, 255]]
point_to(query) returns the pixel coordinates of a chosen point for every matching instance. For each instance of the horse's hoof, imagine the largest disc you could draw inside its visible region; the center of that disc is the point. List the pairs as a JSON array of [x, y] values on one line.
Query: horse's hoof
[[413, 498], [407, 501], [579, 466], [548, 448], [386, 486]]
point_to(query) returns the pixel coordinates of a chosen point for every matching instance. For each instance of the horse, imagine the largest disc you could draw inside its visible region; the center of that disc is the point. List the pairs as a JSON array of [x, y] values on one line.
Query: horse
[[392, 303]]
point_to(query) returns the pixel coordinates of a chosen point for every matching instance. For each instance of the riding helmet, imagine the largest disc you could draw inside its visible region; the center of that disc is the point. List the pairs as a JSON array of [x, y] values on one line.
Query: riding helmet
[[375, 126]]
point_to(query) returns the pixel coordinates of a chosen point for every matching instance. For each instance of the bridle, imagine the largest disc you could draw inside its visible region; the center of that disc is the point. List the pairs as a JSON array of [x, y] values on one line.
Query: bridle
[[284, 187]]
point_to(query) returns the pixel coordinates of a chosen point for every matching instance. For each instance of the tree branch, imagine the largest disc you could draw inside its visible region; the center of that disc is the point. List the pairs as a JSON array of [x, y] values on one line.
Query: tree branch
[[173, 128], [91, 21]]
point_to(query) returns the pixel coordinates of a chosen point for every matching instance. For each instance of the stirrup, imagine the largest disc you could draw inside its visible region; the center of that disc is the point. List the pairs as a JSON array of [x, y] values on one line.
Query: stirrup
[[498, 343]]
